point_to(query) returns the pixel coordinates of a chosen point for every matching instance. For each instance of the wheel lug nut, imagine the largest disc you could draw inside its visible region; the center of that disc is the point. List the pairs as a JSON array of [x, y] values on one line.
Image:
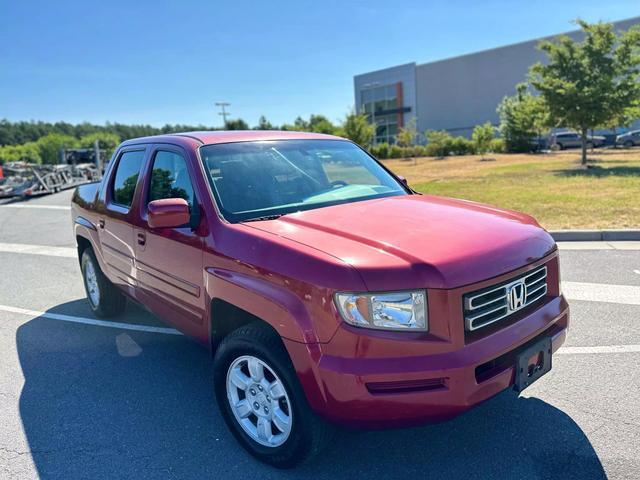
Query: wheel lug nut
[[268, 398], [266, 409], [256, 405], [252, 391], [260, 387]]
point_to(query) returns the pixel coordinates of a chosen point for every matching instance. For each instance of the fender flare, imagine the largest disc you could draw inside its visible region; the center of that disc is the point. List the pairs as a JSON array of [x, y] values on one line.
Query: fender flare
[[275, 305]]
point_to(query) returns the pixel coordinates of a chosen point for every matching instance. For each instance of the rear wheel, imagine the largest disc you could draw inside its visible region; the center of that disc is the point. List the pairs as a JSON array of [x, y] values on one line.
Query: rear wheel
[[557, 146], [104, 298], [261, 399]]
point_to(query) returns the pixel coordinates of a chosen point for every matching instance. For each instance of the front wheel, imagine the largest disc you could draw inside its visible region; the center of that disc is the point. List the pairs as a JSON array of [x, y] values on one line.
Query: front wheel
[[104, 297], [628, 144], [261, 399]]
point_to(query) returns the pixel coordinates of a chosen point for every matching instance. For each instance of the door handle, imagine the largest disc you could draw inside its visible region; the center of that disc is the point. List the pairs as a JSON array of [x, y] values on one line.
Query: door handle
[[101, 223], [142, 239]]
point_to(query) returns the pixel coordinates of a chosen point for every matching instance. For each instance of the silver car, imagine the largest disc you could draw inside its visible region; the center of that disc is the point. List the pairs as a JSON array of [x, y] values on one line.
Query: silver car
[[560, 141], [629, 139]]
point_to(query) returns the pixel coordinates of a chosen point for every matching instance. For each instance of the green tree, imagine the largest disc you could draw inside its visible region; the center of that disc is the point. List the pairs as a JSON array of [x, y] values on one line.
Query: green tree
[[407, 135], [27, 152], [107, 141], [588, 83], [357, 128], [482, 136], [264, 124], [321, 124], [50, 146], [236, 124], [523, 116]]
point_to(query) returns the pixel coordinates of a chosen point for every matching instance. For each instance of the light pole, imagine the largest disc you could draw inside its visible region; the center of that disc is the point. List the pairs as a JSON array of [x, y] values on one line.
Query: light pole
[[224, 113]]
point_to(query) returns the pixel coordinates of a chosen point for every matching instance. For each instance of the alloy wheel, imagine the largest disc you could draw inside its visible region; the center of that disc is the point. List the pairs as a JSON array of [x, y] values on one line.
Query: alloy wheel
[[91, 280], [259, 401]]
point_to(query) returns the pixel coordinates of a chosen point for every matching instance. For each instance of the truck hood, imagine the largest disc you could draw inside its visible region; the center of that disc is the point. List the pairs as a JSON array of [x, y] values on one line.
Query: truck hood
[[418, 241]]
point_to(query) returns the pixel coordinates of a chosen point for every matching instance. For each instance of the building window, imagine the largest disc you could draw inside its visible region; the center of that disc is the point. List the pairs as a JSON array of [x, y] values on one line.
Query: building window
[[380, 103]]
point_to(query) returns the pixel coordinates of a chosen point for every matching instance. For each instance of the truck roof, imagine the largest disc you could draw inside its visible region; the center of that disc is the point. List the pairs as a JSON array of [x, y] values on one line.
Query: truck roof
[[229, 136]]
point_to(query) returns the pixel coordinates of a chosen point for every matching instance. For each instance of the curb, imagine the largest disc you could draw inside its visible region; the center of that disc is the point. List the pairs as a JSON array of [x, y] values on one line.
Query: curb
[[595, 235]]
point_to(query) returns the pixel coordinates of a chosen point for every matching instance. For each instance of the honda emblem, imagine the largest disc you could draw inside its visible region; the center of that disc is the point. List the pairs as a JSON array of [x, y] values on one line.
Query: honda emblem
[[516, 296]]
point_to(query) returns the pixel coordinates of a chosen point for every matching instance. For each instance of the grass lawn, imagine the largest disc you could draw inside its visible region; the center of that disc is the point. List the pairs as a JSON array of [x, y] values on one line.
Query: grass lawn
[[552, 186]]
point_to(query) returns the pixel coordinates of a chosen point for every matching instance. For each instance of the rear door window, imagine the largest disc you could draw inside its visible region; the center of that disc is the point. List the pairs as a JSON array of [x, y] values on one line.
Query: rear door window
[[126, 177]]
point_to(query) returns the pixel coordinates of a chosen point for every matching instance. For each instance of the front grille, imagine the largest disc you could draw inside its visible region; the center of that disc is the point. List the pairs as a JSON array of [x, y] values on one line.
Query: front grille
[[488, 305]]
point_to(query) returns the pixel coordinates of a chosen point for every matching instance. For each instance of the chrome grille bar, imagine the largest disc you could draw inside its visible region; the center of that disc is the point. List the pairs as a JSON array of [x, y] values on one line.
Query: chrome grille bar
[[491, 304]]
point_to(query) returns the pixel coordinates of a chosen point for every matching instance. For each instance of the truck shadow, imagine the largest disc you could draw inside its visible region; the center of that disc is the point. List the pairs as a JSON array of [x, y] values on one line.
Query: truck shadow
[[109, 403]]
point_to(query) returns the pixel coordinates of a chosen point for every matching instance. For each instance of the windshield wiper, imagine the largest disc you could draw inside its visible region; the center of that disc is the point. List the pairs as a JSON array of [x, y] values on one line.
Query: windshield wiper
[[265, 217]]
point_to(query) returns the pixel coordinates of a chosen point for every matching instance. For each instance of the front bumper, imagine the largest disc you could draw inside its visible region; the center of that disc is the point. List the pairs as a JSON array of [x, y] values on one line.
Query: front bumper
[[410, 390]]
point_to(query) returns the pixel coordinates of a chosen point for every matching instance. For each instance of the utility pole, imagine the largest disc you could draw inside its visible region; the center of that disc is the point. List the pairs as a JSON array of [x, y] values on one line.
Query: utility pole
[[224, 113]]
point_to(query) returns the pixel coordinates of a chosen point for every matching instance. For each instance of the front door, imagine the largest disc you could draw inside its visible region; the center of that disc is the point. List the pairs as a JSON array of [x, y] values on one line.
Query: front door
[[168, 263]]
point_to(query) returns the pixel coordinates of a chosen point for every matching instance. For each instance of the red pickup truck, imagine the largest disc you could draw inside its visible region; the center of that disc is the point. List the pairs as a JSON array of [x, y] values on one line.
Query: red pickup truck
[[327, 290]]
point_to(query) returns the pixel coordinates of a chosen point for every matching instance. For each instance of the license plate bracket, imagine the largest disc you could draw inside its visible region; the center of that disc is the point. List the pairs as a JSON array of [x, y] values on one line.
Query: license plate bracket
[[527, 371]]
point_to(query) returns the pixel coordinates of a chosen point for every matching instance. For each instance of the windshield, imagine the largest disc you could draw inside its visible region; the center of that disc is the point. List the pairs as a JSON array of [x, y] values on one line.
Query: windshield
[[267, 179]]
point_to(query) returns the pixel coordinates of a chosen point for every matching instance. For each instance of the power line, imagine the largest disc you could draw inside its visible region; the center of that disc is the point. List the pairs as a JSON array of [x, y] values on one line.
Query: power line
[[224, 112]]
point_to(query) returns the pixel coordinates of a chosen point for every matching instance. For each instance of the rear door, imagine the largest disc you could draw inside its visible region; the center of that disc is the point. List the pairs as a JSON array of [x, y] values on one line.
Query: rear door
[[116, 217], [169, 267]]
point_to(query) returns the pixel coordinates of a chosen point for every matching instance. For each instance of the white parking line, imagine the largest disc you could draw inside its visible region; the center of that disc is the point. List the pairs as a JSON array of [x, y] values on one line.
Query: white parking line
[[617, 245], [602, 292], [36, 205], [38, 250], [599, 349], [88, 321]]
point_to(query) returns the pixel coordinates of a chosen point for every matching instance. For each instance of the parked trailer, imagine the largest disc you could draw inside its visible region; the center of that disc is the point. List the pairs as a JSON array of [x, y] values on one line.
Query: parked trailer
[[22, 179]]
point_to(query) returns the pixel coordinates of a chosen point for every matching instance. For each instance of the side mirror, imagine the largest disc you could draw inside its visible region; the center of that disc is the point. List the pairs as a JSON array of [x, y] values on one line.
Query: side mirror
[[403, 180], [168, 213]]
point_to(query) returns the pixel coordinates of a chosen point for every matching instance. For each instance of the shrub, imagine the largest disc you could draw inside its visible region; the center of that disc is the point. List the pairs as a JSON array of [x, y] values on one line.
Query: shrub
[[396, 151], [481, 137], [497, 146], [439, 143], [420, 151], [523, 117], [461, 146], [381, 150]]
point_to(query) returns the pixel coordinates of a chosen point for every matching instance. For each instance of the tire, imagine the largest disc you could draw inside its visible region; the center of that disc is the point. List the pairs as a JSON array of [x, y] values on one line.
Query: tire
[[628, 144], [558, 146], [304, 434], [590, 145], [104, 298]]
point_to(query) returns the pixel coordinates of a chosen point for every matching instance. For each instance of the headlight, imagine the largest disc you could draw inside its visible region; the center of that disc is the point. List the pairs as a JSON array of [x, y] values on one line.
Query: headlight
[[388, 311]]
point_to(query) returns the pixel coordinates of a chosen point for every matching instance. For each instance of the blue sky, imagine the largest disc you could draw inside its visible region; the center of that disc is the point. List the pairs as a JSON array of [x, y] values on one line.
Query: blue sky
[[167, 62]]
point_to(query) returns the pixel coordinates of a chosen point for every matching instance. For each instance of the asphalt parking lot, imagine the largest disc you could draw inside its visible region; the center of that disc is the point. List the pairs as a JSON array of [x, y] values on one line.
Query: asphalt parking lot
[[80, 399]]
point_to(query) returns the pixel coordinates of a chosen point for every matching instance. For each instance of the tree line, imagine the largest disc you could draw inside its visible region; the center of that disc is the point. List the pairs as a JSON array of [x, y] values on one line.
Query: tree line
[[41, 142]]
